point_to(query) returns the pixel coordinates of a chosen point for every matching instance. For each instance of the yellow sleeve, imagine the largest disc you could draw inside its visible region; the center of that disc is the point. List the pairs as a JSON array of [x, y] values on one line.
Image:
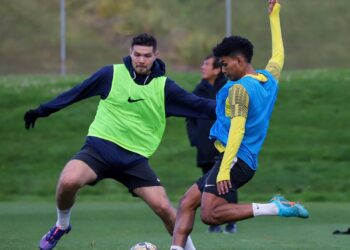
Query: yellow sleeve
[[276, 62], [239, 102]]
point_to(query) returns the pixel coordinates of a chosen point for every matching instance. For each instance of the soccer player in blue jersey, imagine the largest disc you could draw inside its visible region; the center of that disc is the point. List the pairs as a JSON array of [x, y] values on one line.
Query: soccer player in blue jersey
[[243, 110], [198, 129], [136, 98]]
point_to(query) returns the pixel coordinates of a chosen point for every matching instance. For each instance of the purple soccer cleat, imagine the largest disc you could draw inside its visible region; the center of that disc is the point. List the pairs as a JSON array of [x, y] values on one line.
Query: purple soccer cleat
[[50, 240]]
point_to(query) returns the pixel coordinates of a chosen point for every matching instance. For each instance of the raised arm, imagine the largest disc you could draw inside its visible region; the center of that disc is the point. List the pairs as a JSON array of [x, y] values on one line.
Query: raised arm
[[276, 61], [238, 101]]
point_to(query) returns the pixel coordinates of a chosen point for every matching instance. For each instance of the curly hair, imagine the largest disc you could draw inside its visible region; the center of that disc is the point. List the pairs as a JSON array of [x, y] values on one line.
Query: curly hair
[[145, 39], [233, 45]]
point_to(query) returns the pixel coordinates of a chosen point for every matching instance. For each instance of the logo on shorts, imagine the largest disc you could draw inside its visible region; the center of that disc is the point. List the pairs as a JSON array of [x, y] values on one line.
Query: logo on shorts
[[158, 180], [209, 185]]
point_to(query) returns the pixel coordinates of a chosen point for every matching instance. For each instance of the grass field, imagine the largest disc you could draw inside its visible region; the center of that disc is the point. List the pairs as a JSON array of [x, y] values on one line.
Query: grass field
[[305, 156], [117, 226]]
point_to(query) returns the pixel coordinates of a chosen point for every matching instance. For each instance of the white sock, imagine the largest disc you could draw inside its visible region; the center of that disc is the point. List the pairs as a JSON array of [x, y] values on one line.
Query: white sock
[[189, 244], [264, 209], [174, 247], [63, 218]]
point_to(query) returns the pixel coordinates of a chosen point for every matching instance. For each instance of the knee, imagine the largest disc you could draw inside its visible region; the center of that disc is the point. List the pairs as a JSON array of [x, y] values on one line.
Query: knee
[[67, 183], [188, 203], [209, 216], [164, 208], [74, 176]]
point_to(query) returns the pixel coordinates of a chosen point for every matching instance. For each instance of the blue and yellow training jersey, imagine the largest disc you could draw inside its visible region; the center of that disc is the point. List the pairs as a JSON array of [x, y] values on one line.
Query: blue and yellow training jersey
[[258, 94]]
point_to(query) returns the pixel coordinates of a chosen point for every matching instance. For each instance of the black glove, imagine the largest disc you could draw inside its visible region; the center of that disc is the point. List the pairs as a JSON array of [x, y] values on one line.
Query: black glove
[[30, 117]]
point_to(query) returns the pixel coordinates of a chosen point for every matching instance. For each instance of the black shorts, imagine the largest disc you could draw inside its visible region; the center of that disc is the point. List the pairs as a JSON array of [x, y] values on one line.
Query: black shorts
[[108, 160], [240, 174]]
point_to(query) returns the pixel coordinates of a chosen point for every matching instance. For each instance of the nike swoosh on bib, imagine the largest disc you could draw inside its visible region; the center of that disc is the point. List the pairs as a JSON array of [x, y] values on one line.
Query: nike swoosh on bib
[[134, 100]]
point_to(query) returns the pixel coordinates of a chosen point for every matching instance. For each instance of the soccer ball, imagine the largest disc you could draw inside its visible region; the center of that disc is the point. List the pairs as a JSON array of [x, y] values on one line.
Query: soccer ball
[[144, 246]]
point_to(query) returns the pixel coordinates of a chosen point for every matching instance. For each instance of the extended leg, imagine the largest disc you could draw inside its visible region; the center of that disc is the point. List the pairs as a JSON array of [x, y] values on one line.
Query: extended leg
[[216, 210]]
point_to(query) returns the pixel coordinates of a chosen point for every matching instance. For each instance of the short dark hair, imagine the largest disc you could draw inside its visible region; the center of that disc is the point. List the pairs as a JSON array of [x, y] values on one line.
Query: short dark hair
[[145, 39], [216, 61], [233, 45]]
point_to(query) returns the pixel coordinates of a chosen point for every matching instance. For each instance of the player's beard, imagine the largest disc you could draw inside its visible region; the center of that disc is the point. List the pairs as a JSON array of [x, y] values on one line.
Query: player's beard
[[142, 70]]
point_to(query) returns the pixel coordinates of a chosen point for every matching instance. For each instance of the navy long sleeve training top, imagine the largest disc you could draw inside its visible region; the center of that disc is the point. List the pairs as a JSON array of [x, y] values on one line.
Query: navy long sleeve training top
[[178, 102]]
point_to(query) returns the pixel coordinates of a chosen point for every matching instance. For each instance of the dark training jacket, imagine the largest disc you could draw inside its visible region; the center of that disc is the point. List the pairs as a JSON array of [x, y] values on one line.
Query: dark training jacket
[[198, 129], [178, 102]]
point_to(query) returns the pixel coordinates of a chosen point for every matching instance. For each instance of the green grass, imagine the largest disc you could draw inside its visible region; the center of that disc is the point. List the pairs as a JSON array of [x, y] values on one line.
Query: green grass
[[116, 225], [306, 154]]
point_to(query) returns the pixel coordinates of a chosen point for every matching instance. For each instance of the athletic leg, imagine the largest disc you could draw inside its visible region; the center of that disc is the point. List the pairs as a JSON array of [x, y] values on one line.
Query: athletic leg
[[186, 215], [158, 201], [216, 210], [219, 209], [74, 176], [206, 168]]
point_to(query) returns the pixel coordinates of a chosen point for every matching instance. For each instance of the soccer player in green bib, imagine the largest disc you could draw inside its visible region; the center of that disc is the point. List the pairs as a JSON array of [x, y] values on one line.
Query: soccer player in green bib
[[136, 98], [244, 107]]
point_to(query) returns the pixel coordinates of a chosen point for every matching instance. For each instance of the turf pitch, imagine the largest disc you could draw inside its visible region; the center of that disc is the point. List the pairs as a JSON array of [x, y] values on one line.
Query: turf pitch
[[119, 225]]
